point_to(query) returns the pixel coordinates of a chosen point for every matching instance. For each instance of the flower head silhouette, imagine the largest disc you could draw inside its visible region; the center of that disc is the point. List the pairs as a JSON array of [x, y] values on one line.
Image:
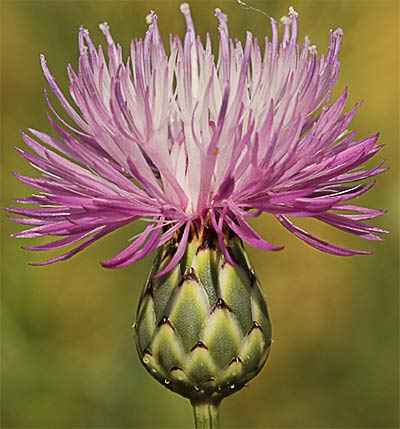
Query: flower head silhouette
[[186, 136]]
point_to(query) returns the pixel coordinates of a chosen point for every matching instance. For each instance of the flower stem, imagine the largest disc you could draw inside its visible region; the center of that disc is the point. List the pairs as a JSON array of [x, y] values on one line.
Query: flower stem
[[206, 415]]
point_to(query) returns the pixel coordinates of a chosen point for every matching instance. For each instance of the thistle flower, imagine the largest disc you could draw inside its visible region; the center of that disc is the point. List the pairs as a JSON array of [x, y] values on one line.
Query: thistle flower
[[196, 145], [179, 137]]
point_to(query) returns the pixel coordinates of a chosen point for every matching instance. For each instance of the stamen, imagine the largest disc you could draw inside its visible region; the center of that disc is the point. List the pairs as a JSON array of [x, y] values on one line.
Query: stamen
[[149, 18], [286, 34], [193, 48], [292, 12], [106, 31]]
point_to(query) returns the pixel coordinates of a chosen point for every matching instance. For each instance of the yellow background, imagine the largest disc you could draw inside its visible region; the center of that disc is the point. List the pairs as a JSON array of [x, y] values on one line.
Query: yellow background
[[68, 357]]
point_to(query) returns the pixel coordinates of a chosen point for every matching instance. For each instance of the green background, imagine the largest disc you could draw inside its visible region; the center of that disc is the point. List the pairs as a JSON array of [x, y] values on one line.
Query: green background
[[68, 357]]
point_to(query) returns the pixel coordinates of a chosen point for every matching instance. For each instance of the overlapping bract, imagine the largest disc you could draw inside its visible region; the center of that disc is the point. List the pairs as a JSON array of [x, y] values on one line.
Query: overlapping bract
[[203, 330], [181, 136]]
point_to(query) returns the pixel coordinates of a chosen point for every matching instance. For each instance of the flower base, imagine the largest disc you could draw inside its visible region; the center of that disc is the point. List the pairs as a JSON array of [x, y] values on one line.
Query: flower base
[[203, 329]]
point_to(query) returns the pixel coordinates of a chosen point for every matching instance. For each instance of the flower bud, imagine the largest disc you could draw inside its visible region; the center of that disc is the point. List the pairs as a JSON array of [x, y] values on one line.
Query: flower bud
[[203, 329]]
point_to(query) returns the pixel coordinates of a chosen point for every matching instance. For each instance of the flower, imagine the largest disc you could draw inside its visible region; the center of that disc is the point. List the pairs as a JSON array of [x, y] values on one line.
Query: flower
[[186, 137]]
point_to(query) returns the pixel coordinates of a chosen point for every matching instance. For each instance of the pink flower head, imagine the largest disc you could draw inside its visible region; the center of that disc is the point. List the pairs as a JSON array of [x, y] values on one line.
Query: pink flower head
[[192, 137]]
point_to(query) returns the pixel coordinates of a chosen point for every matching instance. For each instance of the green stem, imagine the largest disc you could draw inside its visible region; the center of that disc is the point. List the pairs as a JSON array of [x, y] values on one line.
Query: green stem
[[206, 415]]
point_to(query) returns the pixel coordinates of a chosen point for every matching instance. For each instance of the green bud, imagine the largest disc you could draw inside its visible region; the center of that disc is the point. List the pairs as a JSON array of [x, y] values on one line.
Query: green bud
[[203, 329]]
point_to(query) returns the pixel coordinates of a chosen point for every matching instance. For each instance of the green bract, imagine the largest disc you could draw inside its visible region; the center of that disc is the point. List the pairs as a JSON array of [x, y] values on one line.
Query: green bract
[[203, 329]]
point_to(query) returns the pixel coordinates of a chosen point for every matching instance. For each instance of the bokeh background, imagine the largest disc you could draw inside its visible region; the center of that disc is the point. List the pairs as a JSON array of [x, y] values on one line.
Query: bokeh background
[[67, 351]]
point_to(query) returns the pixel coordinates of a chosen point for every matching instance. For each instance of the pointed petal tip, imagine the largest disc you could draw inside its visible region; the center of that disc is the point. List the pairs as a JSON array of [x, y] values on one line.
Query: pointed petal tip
[[24, 134], [22, 234], [351, 252], [110, 265], [107, 264], [18, 149], [37, 264]]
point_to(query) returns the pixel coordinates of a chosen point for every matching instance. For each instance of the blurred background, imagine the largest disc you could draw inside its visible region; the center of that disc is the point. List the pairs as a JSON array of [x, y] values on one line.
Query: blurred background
[[67, 352]]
